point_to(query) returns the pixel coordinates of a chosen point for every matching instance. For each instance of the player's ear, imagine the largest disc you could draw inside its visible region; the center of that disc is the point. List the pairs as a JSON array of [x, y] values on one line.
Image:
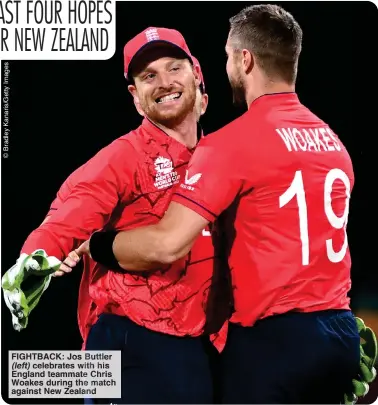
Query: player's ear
[[134, 93], [132, 90], [204, 103], [248, 61], [196, 73]]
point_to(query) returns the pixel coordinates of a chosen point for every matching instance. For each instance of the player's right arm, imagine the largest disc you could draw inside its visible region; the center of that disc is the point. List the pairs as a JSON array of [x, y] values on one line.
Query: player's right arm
[[103, 182], [64, 192]]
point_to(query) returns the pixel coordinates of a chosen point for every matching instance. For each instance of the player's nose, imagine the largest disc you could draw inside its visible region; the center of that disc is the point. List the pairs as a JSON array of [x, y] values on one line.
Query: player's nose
[[165, 80]]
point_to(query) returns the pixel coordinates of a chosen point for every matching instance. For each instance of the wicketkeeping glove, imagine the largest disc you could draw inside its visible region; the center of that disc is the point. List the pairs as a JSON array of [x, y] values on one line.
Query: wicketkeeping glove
[[25, 282], [367, 373]]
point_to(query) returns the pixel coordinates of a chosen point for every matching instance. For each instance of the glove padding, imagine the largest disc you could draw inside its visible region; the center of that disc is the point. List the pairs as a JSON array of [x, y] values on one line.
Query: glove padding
[[367, 373], [25, 282]]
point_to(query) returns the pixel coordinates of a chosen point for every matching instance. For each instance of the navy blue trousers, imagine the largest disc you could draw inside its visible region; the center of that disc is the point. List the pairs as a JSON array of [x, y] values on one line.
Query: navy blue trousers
[[156, 368], [295, 358]]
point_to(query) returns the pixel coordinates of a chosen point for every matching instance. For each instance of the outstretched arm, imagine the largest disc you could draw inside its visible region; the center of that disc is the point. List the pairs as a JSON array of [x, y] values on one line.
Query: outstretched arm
[[150, 246]]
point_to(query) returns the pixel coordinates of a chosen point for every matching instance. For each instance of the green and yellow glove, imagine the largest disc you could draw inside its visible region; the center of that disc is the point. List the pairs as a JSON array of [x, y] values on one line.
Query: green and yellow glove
[[368, 350], [25, 282]]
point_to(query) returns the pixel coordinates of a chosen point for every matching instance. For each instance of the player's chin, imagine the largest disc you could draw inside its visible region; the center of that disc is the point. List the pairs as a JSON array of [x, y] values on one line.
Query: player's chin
[[171, 112], [167, 117]]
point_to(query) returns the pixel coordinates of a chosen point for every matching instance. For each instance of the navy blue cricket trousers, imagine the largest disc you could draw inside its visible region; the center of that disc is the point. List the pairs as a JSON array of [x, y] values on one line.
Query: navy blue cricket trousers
[[294, 358], [156, 368]]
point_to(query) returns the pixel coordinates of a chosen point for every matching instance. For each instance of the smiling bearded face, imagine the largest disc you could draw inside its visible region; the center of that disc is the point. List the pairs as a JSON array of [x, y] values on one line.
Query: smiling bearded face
[[165, 86]]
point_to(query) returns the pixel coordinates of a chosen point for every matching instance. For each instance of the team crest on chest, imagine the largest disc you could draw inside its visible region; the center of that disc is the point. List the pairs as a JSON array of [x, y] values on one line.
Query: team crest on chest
[[165, 176]]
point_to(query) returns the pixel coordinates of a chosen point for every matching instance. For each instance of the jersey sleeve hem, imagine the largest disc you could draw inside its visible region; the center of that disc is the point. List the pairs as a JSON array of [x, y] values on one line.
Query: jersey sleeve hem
[[193, 205]]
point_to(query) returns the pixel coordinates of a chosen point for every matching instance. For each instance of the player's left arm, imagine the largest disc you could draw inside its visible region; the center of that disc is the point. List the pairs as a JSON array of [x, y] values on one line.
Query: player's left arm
[[199, 200]]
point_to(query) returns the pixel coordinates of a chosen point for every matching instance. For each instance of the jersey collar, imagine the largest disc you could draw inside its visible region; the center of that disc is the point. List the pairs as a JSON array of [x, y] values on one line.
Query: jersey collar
[[274, 98], [155, 131]]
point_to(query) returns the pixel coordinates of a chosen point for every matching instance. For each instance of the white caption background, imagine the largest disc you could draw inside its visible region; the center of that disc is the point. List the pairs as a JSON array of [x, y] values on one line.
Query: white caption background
[[64, 374], [57, 29]]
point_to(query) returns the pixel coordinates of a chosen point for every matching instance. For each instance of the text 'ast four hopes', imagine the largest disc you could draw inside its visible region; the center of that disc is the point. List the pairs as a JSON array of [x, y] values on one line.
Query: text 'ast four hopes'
[[57, 26]]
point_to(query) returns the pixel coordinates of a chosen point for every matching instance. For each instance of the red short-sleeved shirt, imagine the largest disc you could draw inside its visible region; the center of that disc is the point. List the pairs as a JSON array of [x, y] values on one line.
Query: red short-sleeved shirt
[[282, 179]]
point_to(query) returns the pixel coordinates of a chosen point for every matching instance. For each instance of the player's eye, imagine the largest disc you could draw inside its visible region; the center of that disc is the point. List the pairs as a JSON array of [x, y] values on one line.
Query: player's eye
[[175, 68], [149, 76]]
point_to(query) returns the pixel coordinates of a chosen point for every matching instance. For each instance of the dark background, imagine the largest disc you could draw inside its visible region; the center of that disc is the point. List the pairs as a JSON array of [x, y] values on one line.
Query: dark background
[[63, 112]]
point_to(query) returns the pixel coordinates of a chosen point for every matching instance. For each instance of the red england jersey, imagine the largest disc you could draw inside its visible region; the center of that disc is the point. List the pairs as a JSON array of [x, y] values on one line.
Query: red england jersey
[[280, 179], [129, 184]]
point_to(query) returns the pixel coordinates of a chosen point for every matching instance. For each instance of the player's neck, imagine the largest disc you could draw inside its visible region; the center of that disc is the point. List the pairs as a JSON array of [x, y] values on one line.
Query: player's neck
[[184, 132], [266, 87]]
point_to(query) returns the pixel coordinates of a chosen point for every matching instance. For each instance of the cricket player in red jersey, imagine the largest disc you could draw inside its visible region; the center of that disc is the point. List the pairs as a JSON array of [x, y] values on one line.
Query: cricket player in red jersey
[[157, 320], [276, 183], [87, 308]]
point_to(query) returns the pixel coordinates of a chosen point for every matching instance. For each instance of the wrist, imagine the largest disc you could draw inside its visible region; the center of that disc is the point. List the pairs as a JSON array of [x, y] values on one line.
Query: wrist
[[101, 249]]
